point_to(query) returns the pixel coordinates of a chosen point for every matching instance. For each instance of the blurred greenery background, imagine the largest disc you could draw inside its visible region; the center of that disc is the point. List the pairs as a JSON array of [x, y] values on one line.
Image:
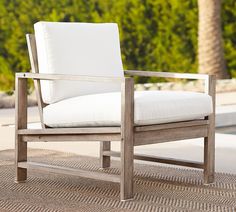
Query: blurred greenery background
[[155, 34]]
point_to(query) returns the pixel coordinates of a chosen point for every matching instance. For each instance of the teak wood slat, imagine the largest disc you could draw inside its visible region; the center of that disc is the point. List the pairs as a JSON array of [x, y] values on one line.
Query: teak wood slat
[[209, 139], [127, 134], [78, 137], [20, 123], [171, 161], [166, 74], [70, 131], [167, 135], [33, 56], [105, 161], [63, 77], [171, 125], [127, 139], [69, 171]]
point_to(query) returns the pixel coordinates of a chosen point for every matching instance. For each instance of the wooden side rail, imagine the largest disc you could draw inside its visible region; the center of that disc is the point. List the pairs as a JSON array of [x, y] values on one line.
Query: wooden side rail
[[169, 135], [172, 161], [73, 137], [182, 124], [69, 171], [37, 76], [166, 74], [70, 131]]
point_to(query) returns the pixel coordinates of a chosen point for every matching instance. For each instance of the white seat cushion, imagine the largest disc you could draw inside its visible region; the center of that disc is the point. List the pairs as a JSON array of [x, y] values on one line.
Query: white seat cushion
[[77, 49], [150, 107]]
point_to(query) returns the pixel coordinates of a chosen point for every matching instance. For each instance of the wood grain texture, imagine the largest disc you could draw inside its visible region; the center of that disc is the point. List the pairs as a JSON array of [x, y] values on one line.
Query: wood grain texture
[[209, 140], [69, 171], [127, 139], [68, 77], [20, 123], [168, 135], [73, 137], [69, 131], [105, 160], [165, 74], [171, 125], [172, 161], [32, 49]]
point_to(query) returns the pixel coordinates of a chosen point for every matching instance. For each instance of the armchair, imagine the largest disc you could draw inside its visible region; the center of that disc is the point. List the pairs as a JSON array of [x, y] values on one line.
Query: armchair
[[120, 113]]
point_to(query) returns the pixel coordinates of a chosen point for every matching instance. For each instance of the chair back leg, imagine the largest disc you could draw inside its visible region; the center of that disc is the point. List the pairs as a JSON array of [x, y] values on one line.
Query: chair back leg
[[209, 152], [105, 161], [209, 141]]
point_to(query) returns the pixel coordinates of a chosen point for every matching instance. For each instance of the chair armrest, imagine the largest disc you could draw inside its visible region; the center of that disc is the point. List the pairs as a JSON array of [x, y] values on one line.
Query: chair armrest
[[166, 74], [36, 76], [127, 93], [208, 79]]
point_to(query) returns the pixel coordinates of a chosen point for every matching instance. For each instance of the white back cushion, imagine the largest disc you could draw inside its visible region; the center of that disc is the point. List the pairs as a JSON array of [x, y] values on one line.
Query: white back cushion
[[77, 49]]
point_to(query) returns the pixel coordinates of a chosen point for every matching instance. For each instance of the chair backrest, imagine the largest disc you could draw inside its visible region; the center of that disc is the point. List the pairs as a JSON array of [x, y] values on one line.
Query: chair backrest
[[77, 49]]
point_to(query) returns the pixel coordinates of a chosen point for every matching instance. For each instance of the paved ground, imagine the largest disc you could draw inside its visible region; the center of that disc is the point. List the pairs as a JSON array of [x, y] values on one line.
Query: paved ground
[[187, 149], [228, 98]]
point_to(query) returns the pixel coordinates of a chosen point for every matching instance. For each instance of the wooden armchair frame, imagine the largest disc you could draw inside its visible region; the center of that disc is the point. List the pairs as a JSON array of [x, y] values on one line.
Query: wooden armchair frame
[[128, 134]]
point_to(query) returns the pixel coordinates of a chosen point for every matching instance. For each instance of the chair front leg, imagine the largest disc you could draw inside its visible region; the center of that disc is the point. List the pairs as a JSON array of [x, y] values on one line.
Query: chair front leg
[[105, 161], [127, 169], [21, 156], [127, 139], [20, 123]]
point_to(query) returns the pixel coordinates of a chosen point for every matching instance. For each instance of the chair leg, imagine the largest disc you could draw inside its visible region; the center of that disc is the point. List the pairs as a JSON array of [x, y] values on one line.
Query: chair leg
[[127, 139], [21, 155], [209, 141], [105, 161], [209, 155], [20, 123], [127, 168]]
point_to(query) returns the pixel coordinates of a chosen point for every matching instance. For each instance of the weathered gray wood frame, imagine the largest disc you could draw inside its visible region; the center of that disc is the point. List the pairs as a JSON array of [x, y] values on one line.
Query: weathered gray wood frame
[[128, 134]]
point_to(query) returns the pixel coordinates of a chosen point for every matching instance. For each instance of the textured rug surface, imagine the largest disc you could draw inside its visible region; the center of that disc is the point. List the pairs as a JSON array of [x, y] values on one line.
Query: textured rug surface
[[156, 188]]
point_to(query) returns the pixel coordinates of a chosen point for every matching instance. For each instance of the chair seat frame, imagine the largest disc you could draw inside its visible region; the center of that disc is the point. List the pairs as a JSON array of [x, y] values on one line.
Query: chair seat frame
[[128, 134]]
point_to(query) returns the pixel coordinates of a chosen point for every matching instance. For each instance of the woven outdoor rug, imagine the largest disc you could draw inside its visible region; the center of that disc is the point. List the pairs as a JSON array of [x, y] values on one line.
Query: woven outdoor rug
[[156, 188]]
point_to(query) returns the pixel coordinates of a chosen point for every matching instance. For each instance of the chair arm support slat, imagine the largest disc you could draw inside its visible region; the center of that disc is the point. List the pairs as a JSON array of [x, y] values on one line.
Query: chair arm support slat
[[68, 77], [166, 74]]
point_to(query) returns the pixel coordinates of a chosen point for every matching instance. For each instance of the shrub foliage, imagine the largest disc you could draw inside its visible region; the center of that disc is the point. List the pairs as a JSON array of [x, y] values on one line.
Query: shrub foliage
[[155, 34]]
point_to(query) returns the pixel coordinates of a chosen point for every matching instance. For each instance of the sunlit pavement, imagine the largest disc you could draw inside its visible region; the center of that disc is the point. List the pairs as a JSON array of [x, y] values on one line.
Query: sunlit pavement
[[186, 149]]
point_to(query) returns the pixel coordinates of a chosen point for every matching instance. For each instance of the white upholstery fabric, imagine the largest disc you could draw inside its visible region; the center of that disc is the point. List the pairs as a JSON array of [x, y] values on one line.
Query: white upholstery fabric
[[79, 49], [151, 107]]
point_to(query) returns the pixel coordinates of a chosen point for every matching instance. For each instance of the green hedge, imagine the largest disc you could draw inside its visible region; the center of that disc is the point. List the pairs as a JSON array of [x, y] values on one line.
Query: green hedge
[[155, 34]]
